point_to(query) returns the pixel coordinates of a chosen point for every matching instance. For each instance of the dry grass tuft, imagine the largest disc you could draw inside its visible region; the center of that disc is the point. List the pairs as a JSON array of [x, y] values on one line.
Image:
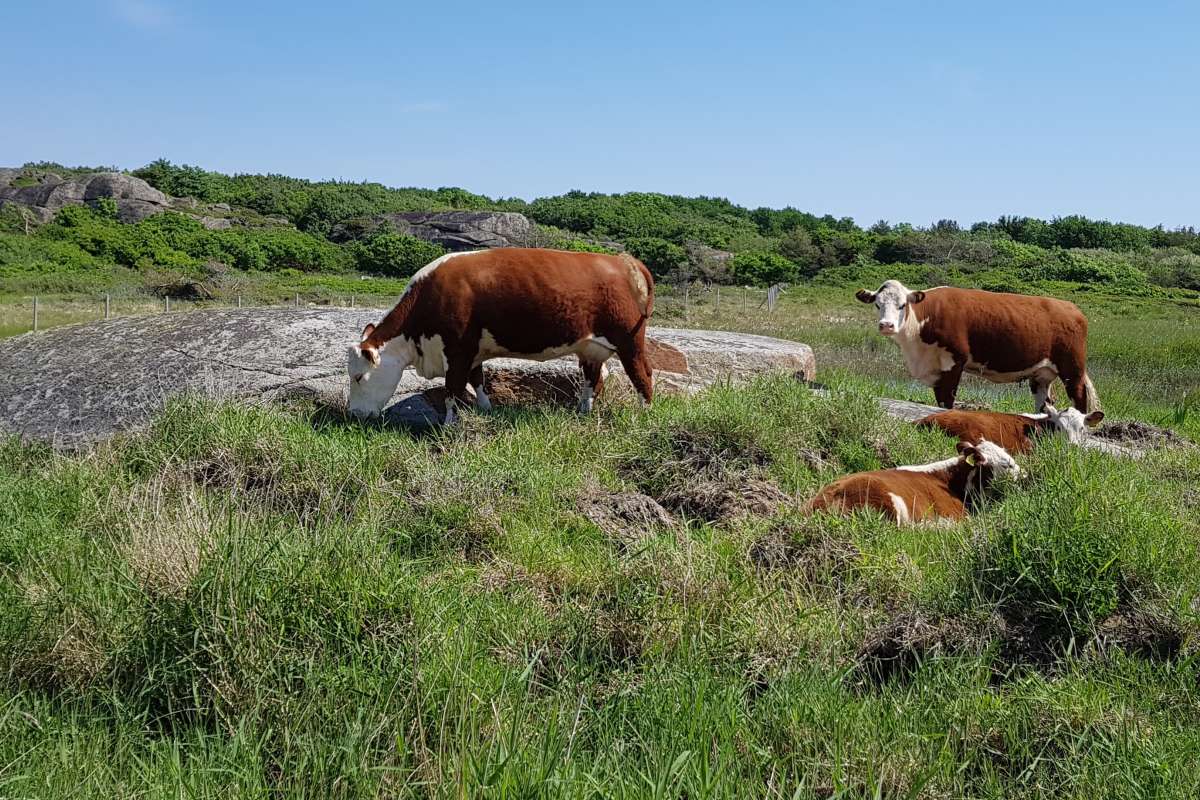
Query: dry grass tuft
[[629, 519]]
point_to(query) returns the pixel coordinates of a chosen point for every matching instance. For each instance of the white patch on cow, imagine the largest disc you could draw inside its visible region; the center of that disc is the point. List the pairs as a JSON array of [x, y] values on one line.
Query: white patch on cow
[[372, 386], [900, 507], [429, 356], [603, 372], [1072, 422], [1044, 372], [590, 348], [482, 400], [997, 458], [936, 466]]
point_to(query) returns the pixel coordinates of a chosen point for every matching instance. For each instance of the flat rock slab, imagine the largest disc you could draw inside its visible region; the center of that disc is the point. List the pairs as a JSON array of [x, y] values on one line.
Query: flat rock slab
[[79, 384]]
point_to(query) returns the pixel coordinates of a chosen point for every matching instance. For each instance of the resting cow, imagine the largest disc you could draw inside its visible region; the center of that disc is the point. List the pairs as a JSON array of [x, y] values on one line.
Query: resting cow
[[1013, 432], [943, 490], [464, 308], [1004, 338]]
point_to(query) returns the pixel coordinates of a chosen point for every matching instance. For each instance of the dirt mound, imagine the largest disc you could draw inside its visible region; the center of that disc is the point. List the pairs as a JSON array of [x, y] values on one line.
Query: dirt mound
[[1139, 633], [1131, 431], [627, 518], [899, 646], [814, 554], [721, 500]]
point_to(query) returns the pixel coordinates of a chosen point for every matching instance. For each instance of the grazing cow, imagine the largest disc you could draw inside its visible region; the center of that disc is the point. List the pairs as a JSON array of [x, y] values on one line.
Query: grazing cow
[[943, 490], [464, 308], [1004, 338], [1013, 432]]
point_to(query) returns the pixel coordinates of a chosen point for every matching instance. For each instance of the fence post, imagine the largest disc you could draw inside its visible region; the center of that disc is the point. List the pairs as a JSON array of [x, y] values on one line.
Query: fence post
[[297, 299], [107, 306], [239, 301], [35, 313], [352, 301], [745, 300], [717, 307], [687, 301], [167, 303]]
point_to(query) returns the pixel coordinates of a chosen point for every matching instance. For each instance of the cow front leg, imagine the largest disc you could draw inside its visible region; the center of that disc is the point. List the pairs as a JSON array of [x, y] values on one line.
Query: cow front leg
[[1039, 386], [482, 401], [946, 386], [593, 383]]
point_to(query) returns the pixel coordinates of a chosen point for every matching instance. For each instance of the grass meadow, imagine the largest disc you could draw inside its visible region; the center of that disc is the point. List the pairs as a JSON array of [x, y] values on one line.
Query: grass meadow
[[249, 601]]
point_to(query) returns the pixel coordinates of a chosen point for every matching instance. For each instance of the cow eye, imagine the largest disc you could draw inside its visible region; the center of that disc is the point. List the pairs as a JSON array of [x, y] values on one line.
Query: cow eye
[[358, 378]]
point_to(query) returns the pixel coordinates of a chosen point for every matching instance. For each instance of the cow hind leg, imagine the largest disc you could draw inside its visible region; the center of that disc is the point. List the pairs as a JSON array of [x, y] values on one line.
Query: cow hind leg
[[593, 383], [481, 399], [637, 367]]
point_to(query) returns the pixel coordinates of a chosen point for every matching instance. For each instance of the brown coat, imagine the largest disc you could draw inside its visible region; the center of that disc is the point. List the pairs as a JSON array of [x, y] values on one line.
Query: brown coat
[[1013, 432]]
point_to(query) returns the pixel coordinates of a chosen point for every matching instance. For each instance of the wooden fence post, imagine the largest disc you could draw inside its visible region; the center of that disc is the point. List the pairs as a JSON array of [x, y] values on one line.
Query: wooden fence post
[[239, 301], [35, 313], [167, 303], [717, 307], [107, 306]]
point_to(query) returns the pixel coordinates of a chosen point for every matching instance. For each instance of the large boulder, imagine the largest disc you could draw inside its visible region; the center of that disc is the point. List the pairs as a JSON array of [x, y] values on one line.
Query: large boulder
[[453, 230], [82, 383], [135, 198]]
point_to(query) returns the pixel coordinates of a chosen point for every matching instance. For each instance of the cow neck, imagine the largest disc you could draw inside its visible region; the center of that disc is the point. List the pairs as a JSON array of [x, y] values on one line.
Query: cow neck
[[392, 325], [910, 329]]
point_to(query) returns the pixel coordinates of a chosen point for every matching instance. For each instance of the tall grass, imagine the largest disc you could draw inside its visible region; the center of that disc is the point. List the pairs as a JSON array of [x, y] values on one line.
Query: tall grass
[[251, 601]]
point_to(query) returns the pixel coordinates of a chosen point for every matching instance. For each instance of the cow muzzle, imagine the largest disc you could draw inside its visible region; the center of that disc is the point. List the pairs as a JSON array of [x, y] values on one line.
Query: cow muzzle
[[887, 328]]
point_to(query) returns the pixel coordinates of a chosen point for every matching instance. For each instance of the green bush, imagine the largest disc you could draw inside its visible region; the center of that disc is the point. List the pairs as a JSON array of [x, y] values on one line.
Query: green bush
[[762, 269], [660, 256], [393, 254]]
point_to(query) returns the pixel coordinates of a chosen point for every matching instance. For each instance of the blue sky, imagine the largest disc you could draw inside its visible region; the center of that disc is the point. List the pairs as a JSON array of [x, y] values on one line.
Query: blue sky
[[901, 111]]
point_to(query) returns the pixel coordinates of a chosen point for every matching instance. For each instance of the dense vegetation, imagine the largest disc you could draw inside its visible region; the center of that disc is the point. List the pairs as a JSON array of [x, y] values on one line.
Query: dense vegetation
[[678, 237]]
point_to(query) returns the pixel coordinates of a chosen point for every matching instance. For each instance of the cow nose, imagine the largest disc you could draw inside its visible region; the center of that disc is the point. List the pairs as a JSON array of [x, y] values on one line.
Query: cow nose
[[887, 327]]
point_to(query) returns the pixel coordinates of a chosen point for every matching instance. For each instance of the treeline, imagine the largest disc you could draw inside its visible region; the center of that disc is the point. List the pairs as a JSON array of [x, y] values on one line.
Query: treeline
[[705, 238]]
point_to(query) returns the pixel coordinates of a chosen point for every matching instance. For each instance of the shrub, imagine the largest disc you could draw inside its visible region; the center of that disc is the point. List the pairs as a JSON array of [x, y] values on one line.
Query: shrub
[[762, 269], [660, 256], [394, 254]]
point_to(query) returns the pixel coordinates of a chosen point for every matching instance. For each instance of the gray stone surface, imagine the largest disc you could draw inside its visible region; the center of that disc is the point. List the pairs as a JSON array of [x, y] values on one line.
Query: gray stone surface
[[135, 198], [82, 383], [453, 230]]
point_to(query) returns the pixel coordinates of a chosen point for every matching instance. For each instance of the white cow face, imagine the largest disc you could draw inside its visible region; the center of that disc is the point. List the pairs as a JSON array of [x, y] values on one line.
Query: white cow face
[[990, 454], [373, 374], [892, 300], [1073, 422]]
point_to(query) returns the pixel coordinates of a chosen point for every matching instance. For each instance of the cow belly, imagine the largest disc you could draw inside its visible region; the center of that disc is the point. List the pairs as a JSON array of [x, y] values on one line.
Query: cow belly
[[589, 348], [1043, 369]]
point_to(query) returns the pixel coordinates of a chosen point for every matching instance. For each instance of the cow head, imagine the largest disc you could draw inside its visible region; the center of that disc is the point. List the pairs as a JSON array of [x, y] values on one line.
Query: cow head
[[374, 374], [991, 458], [1073, 422], [892, 300]]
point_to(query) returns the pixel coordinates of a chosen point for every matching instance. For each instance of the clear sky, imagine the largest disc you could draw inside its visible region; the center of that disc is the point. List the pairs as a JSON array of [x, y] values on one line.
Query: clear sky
[[905, 111]]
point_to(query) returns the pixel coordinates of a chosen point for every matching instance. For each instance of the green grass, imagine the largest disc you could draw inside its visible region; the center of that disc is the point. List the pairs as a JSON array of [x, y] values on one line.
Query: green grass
[[267, 601]]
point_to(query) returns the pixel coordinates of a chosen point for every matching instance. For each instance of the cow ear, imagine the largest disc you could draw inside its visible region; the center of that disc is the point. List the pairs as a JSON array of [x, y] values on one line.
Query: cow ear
[[367, 331], [916, 297], [865, 296], [370, 354], [1093, 419], [966, 449]]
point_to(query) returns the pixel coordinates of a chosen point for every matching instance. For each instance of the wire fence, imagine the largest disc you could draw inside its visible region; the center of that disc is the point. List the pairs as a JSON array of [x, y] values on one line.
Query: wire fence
[[672, 302]]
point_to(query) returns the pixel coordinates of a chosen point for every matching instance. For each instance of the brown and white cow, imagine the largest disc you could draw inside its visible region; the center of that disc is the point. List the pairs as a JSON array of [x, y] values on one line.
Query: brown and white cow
[[1004, 338], [943, 490], [1014, 432], [464, 308]]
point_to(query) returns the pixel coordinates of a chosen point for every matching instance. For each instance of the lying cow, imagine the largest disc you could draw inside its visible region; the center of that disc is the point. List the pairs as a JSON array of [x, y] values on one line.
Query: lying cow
[[464, 308], [943, 490], [1004, 338], [1013, 432]]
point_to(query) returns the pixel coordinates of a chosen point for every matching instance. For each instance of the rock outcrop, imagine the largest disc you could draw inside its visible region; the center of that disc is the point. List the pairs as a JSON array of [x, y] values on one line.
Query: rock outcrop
[[79, 384], [453, 230], [135, 198]]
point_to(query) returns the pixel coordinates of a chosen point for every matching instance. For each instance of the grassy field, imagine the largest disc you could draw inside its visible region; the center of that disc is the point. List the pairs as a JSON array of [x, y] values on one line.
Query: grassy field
[[250, 602]]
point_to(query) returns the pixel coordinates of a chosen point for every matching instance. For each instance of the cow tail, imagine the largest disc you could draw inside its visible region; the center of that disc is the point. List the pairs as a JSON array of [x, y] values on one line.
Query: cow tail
[[1090, 398]]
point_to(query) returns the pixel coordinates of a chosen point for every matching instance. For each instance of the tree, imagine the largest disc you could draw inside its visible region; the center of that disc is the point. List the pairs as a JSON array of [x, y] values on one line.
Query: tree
[[660, 256], [762, 268], [395, 254]]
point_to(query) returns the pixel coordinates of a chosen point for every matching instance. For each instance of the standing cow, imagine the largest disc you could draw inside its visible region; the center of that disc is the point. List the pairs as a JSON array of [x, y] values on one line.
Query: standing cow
[[464, 308], [1004, 338]]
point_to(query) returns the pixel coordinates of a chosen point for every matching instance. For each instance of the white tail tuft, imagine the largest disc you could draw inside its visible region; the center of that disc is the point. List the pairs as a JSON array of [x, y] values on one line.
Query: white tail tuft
[[1089, 395]]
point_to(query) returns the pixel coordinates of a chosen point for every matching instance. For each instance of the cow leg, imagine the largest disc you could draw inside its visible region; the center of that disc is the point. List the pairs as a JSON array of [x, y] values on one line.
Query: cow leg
[[593, 383], [1040, 387], [456, 386], [1077, 391], [637, 366], [947, 385], [481, 398]]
